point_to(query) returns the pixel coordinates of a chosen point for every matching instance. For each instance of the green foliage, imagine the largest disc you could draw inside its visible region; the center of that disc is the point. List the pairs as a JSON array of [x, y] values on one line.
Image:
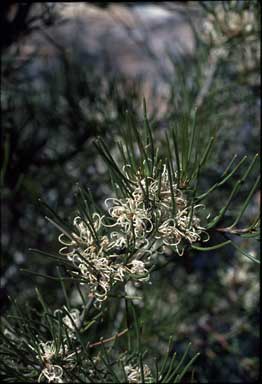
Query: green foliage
[[123, 289], [70, 357], [38, 345]]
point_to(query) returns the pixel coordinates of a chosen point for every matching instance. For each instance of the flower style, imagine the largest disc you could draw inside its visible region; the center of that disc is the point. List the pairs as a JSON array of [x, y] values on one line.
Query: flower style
[[134, 374], [128, 213]]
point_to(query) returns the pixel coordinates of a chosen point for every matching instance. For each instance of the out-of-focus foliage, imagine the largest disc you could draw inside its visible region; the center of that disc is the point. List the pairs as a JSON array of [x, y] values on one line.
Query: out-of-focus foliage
[[48, 121]]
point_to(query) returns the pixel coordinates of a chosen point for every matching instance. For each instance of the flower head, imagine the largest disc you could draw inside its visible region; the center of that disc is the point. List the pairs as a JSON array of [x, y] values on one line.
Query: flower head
[[130, 215], [95, 256], [137, 267], [52, 372], [48, 350], [153, 211], [134, 224]]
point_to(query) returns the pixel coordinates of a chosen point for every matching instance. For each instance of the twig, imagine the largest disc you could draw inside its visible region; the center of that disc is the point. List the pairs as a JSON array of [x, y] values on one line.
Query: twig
[[235, 230], [109, 339], [101, 342]]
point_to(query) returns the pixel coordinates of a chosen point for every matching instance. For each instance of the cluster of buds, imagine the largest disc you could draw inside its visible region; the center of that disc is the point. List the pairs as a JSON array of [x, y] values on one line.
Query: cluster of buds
[[133, 374]]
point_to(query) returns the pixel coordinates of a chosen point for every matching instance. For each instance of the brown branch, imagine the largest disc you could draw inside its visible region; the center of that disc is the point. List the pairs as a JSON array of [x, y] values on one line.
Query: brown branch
[[235, 230], [97, 343], [109, 339]]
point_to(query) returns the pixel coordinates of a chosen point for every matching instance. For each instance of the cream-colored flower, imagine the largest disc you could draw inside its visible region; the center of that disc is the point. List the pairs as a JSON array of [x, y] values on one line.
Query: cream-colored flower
[[137, 267], [118, 240], [72, 321], [151, 205], [88, 252], [130, 216], [144, 220], [134, 374], [225, 24], [53, 374], [48, 350]]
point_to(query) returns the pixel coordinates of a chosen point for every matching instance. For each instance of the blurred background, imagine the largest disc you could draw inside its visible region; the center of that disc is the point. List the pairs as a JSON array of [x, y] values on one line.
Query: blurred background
[[69, 72]]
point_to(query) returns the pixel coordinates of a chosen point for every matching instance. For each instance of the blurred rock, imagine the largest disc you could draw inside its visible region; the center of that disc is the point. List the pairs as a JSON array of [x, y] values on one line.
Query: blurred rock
[[134, 42]]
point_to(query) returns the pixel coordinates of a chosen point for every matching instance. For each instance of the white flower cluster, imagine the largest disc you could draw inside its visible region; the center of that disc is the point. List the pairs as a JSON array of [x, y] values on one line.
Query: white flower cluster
[[95, 257], [134, 374], [240, 280], [72, 321], [222, 25], [48, 350], [52, 372], [145, 216], [152, 203], [225, 25]]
